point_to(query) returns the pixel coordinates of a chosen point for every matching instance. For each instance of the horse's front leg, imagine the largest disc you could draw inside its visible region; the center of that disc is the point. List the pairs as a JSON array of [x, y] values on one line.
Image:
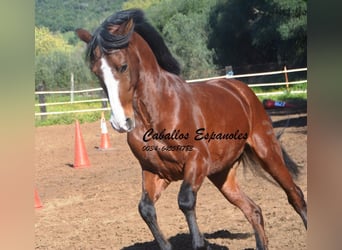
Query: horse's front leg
[[152, 188], [195, 172]]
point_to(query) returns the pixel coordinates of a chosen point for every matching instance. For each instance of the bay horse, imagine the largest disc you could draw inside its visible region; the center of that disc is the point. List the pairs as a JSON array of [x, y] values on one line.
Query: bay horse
[[181, 131]]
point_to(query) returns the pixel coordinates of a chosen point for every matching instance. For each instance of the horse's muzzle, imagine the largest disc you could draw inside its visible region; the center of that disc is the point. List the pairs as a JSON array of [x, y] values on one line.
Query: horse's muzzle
[[127, 126]]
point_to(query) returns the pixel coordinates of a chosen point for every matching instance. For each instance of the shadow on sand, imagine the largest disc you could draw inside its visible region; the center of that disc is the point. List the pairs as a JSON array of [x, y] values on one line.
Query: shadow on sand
[[183, 241]]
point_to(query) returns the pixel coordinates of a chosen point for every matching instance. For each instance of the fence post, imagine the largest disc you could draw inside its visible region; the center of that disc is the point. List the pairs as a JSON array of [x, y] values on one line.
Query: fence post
[[41, 99], [286, 79], [72, 87], [229, 70]]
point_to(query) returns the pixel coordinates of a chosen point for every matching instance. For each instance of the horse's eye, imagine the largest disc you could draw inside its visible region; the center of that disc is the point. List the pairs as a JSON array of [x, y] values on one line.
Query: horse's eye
[[123, 68]]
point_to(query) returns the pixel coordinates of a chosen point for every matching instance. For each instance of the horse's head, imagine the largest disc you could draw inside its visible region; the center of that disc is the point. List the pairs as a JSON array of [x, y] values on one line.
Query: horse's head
[[111, 61], [116, 55]]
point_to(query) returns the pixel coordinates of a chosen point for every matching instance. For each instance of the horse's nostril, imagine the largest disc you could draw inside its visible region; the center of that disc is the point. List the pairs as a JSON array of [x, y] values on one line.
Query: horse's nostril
[[130, 124]]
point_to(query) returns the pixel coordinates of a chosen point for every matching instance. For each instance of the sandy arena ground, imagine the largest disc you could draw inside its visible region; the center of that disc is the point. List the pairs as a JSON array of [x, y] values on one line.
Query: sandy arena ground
[[96, 207]]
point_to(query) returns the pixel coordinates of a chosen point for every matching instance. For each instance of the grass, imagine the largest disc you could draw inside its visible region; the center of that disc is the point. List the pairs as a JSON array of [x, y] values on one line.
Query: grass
[[287, 95], [284, 97], [69, 118]]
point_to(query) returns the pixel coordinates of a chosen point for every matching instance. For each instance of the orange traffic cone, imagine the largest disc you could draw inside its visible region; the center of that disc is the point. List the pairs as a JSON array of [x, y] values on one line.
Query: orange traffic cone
[[81, 156], [268, 103], [104, 134], [37, 202]]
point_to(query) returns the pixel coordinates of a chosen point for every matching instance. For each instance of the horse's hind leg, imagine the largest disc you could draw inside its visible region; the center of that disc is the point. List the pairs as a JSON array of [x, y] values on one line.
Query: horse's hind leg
[[152, 188], [268, 151], [226, 182]]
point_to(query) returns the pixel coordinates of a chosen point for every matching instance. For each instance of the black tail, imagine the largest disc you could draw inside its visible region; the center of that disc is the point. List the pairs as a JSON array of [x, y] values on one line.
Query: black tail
[[249, 159], [291, 165]]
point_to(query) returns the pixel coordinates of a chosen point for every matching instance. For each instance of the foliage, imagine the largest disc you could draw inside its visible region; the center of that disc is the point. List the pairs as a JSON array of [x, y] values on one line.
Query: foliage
[[68, 15], [261, 31], [203, 35], [141, 4], [55, 61], [183, 25], [46, 42], [195, 58]]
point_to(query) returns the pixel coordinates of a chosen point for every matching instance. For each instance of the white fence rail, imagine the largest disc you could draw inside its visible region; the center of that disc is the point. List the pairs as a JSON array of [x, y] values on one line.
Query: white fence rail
[[71, 102], [68, 91], [250, 75], [188, 81]]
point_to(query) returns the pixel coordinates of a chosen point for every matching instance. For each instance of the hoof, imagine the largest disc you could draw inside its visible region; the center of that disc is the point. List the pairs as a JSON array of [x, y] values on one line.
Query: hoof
[[205, 247], [168, 247]]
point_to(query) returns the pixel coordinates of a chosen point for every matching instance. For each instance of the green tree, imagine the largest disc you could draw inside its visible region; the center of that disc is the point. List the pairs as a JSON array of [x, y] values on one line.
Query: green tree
[[46, 42], [187, 41], [54, 69], [258, 32], [56, 59], [288, 24], [184, 25]]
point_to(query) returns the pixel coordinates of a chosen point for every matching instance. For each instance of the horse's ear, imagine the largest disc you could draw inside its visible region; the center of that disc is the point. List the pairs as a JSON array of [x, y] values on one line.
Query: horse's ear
[[84, 35], [122, 29], [128, 26]]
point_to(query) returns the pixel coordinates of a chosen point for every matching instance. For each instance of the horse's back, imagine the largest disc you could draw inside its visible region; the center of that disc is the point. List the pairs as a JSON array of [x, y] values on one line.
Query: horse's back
[[231, 93], [234, 87]]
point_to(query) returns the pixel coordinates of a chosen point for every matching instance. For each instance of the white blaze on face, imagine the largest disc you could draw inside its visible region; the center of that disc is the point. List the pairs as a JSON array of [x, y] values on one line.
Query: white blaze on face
[[118, 118]]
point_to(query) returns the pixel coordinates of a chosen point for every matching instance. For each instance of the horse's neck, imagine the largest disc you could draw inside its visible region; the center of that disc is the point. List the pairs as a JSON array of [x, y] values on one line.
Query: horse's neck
[[155, 85], [153, 90]]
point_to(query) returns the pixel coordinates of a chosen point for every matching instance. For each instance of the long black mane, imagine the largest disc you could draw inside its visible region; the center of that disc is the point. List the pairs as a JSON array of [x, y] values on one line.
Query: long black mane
[[106, 41]]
